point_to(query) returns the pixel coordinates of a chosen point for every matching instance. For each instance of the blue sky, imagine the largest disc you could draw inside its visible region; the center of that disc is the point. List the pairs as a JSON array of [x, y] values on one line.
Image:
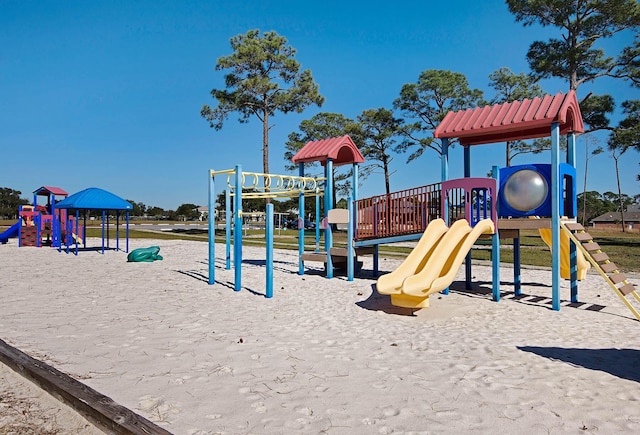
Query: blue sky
[[108, 93]]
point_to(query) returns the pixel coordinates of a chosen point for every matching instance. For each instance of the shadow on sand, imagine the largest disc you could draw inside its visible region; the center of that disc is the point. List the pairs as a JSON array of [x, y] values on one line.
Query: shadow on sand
[[378, 302], [622, 363]]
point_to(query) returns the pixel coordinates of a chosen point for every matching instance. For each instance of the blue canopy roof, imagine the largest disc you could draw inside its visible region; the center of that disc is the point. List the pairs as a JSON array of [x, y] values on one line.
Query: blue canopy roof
[[94, 199]]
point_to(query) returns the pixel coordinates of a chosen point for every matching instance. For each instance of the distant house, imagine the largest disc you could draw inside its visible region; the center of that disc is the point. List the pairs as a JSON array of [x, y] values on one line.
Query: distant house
[[203, 213], [613, 219]]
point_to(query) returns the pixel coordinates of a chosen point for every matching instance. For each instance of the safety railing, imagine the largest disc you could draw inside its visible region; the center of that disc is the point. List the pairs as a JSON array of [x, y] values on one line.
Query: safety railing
[[398, 213]]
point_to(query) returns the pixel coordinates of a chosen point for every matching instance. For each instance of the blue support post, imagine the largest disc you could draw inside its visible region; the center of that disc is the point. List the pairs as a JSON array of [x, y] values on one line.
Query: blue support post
[[269, 237], [227, 223], [467, 174], [517, 279], [38, 224], [353, 211], [375, 260], [328, 205], [211, 229], [317, 223], [495, 249], [300, 230], [573, 264], [237, 231], [117, 231], [354, 182], [573, 254], [350, 253], [103, 221], [77, 228], [444, 176], [555, 216], [126, 232]]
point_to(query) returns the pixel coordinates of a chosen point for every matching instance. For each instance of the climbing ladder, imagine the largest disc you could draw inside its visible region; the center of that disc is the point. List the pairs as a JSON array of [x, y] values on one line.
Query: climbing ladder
[[600, 261]]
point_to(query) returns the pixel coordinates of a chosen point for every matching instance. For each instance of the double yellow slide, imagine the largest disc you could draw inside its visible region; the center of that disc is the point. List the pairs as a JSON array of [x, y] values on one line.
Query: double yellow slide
[[433, 264]]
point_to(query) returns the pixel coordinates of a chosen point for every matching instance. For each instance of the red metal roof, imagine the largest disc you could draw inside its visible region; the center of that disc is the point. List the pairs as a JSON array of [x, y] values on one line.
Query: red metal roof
[[341, 150], [46, 190], [518, 120]]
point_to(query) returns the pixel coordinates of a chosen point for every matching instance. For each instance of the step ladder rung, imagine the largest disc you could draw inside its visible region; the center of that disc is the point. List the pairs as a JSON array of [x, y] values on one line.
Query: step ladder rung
[[584, 237], [626, 289], [593, 246], [574, 226], [605, 267], [599, 257], [617, 278], [609, 267]]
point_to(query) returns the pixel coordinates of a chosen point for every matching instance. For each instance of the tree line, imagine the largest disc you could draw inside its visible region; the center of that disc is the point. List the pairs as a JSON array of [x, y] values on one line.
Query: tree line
[[11, 200]]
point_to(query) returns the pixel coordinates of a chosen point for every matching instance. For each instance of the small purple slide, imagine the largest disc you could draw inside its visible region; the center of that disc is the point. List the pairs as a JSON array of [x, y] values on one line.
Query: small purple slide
[[11, 232]]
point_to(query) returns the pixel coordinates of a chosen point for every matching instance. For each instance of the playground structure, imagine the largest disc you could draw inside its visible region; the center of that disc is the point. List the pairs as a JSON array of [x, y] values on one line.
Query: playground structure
[[539, 196], [54, 224], [239, 184], [43, 225]]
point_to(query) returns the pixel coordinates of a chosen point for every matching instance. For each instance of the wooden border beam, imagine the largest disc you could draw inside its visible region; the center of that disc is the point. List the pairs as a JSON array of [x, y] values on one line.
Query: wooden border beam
[[99, 409]]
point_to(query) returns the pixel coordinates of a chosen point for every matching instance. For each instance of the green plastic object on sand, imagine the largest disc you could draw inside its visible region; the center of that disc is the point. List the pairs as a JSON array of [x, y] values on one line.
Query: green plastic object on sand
[[145, 254]]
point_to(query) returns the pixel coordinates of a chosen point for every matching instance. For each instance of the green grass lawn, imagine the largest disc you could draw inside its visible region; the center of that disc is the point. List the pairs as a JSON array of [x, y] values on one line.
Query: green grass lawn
[[622, 248]]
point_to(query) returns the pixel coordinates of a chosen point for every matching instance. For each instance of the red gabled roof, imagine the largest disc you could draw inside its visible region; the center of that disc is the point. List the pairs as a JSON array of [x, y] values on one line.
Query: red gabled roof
[[518, 120], [341, 150], [46, 190]]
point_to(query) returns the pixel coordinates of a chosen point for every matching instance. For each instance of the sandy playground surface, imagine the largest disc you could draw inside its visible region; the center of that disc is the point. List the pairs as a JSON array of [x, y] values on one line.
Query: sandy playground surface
[[321, 356]]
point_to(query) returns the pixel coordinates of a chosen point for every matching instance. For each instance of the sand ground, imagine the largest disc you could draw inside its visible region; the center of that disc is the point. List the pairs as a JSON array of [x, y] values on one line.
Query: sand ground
[[322, 356]]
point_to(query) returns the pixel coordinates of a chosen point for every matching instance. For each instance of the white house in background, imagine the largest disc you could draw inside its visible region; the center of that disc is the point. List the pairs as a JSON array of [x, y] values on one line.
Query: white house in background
[[203, 213]]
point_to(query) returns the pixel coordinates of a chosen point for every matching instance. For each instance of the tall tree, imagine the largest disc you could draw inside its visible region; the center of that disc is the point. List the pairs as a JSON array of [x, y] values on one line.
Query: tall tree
[[626, 136], [593, 204], [512, 87], [379, 129], [188, 211], [264, 78], [594, 152], [427, 102], [630, 62], [616, 153], [10, 201], [575, 56], [139, 208], [156, 212]]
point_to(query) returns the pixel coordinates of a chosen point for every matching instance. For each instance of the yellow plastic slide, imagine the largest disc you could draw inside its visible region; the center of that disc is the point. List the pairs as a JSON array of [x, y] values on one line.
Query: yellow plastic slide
[[391, 283], [437, 268], [565, 261]]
